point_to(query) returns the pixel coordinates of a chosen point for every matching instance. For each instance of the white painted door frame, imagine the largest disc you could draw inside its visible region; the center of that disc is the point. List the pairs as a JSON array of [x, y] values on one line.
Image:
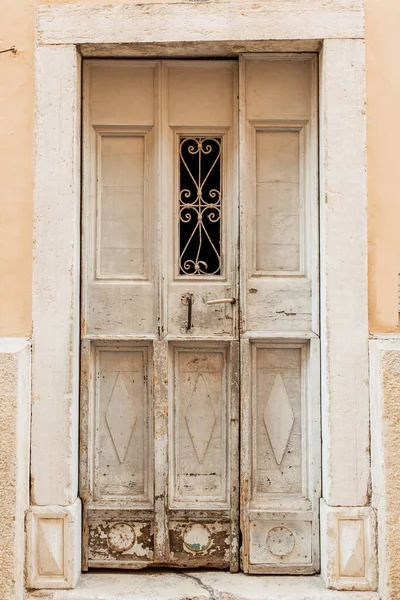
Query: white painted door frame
[[63, 34]]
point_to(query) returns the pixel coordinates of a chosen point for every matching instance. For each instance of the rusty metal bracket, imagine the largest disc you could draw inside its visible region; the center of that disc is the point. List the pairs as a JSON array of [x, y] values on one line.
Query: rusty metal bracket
[[12, 49]]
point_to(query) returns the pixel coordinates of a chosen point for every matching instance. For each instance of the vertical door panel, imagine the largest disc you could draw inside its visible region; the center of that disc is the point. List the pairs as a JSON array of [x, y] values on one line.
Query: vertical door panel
[[200, 176], [279, 194], [203, 408], [279, 301], [120, 304], [201, 233], [200, 426], [159, 397], [117, 411], [278, 294], [160, 407], [120, 291]]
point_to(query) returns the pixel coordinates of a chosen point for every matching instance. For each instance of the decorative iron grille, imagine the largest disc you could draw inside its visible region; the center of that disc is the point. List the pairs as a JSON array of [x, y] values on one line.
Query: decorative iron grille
[[200, 195]]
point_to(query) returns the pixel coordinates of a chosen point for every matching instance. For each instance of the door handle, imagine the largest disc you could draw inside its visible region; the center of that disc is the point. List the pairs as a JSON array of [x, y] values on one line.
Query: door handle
[[188, 300], [189, 313], [222, 301]]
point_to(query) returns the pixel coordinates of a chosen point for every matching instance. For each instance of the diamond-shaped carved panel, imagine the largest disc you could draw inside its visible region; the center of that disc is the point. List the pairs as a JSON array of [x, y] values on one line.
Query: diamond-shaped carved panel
[[200, 417], [120, 414], [278, 418]]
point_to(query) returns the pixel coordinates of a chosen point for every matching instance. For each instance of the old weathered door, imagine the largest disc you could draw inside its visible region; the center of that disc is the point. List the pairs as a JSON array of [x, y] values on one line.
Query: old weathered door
[[167, 330], [280, 445], [161, 236]]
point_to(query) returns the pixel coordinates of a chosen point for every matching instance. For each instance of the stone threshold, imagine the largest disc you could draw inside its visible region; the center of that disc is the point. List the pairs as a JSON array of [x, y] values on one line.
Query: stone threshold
[[198, 585]]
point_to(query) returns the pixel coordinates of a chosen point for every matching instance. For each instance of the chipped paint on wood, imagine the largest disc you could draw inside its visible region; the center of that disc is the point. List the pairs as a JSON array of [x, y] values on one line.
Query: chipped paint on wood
[[201, 544], [84, 433], [280, 444], [164, 413], [117, 537], [160, 400]]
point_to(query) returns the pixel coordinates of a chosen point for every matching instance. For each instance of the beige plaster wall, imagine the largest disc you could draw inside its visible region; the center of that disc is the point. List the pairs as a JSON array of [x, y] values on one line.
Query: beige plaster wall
[[16, 193], [16, 165], [391, 440], [14, 451], [383, 101]]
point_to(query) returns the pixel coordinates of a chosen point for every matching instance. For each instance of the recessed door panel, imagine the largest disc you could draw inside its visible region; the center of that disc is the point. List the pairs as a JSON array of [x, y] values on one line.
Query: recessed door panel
[[200, 427], [277, 422], [120, 92], [123, 416], [278, 86], [200, 94], [203, 481], [277, 236], [122, 244]]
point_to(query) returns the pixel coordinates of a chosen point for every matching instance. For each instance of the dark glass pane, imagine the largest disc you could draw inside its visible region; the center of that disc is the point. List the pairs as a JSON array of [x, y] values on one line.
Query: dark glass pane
[[200, 192]]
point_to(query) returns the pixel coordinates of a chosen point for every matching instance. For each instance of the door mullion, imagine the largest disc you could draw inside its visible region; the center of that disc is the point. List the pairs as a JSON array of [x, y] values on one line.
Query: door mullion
[[245, 413], [245, 451], [235, 454], [160, 356], [160, 411], [84, 455]]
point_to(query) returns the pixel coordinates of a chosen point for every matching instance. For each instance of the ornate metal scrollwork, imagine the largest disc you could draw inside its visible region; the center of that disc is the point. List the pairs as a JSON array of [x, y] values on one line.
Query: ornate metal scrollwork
[[200, 194]]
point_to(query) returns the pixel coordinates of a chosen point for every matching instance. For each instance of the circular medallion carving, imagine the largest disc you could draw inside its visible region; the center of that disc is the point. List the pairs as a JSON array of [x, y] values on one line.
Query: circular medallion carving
[[280, 541], [196, 538], [121, 537]]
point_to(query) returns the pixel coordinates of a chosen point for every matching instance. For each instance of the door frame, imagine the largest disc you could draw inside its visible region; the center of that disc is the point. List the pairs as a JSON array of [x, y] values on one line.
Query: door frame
[[64, 35]]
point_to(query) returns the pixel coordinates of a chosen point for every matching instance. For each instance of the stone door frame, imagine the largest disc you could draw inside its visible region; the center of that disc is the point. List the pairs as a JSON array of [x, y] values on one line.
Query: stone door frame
[[63, 35]]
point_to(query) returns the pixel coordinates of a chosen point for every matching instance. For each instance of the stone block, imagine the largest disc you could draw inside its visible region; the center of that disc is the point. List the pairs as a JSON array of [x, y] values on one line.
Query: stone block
[[348, 548], [54, 542]]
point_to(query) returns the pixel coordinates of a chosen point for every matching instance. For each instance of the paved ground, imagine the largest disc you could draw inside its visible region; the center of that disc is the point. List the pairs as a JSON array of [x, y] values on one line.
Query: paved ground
[[198, 585]]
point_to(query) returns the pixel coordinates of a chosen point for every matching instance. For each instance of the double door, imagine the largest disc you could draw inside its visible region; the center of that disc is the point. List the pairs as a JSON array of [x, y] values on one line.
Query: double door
[[199, 420]]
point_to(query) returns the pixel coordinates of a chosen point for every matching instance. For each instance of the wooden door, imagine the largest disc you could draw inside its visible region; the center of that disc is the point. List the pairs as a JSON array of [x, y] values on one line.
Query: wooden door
[[280, 445], [163, 346], [160, 352]]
